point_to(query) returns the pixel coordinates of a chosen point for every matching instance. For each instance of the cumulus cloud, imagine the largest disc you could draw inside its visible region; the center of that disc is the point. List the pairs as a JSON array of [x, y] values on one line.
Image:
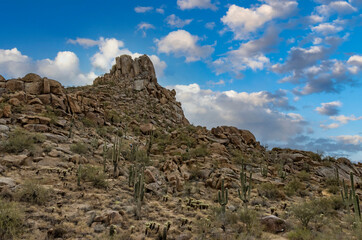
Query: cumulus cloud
[[175, 21], [249, 55], [109, 48], [349, 139], [182, 44], [210, 25], [330, 108], [256, 111], [345, 119], [330, 126], [243, 21], [141, 9], [327, 28], [355, 62], [340, 7], [190, 4], [64, 68], [85, 42], [143, 27]]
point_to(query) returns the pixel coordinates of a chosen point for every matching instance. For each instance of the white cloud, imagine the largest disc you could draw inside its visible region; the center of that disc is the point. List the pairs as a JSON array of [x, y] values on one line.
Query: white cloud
[[243, 21], [190, 4], [141, 9], [345, 119], [340, 7], [249, 55], [219, 83], [327, 28], [160, 10], [109, 48], [182, 43], [330, 108], [330, 126], [349, 139], [210, 25], [159, 65], [143, 27], [64, 68], [175, 21], [254, 111], [85, 42]]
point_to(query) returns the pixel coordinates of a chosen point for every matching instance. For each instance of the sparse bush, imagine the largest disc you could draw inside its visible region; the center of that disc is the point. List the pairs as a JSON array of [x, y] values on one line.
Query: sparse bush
[[79, 148], [270, 191], [200, 151], [20, 139], [88, 122], [300, 234], [332, 185], [50, 114], [95, 175], [11, 219], [303, 175], [293, 187], [33, 192]]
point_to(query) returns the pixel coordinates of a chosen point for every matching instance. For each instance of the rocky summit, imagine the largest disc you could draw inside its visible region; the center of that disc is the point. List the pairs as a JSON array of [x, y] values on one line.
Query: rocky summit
[[119, 160]]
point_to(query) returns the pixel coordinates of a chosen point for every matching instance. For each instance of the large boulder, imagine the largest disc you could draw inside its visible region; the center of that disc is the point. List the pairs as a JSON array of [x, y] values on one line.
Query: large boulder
[[31, 77], [2, 79], [273, 224], [14, 85]]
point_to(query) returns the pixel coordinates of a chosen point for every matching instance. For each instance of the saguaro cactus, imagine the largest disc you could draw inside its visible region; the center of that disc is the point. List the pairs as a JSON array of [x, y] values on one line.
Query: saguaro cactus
[[139, 191], [245, 192], [116, 151], [105, 151], [223, 196]]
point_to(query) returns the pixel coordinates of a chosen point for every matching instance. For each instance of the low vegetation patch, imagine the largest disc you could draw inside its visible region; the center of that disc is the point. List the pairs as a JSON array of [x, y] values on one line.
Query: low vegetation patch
[[79, 148], [11, 219], [93, 174], [270, 191], [33, 192], [20, 139]]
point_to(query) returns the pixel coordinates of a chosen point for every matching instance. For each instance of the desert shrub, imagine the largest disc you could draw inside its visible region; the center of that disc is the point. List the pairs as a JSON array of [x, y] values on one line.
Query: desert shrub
[[88, 122], [112, 116], [293, 187], [300, 234], [316, 156], [195, 173], [252, 227], [49, 113], [33, 192], [93, 174], [303, 175], [270, 191], [307, 211], [200, 151], [11, 219], [332, 185], [79, 148], [20, 139]]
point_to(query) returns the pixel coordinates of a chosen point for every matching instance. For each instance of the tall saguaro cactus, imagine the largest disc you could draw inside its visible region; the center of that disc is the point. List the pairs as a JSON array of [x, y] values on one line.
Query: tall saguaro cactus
[[351, 198], [245, 192], [223, 196], [139, 191], [116, 151]]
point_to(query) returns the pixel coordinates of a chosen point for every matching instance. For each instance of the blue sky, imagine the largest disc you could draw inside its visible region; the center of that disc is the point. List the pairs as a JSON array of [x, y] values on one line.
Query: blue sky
[[288, 70]]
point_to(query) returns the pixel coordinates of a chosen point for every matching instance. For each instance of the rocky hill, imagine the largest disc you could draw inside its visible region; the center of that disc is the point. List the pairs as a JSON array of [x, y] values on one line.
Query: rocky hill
[[119, 160]]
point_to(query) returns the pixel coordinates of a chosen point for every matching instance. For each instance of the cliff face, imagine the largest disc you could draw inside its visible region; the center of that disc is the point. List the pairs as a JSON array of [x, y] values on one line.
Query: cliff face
[[130, 90]]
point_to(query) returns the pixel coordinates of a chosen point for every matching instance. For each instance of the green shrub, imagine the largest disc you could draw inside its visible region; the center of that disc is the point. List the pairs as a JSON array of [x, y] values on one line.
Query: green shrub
[[88, 122], [79, 148], [11, 219], [200, 151], [33, 192], [293, 187], [50, 114], [95, 175], [20, 139], [332, 185], [303, 175], [270, 191], [300, 234]]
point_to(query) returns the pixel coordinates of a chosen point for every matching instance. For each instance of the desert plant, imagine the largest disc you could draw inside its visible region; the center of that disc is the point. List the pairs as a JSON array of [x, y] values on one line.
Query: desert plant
[[33, 192], [92, 174], [20, 139], [79, 148], [245, 192], [116, 151], [105, 152], [270, 191], [293, 187], [264, 170], [223, 196], [139, 191], [11, 219]]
